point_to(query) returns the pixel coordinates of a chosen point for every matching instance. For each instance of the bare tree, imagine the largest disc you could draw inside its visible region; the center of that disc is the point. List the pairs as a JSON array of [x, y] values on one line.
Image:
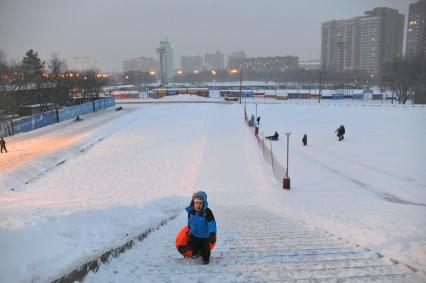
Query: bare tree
[[404, 75], [55, 84]]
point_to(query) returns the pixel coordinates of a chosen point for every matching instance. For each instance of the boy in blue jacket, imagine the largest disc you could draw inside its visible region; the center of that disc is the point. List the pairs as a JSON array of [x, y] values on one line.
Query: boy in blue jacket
[[202, 226]]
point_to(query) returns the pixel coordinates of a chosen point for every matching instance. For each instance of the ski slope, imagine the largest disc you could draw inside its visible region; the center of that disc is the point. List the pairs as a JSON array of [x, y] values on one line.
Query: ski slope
[[141, 166]]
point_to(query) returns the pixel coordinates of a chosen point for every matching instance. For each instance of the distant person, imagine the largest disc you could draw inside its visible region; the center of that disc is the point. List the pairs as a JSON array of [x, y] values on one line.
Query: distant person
[[305, 140], [273, 137], [251, 121], [340, 132], [258, 120], [77, 119], [3, 145]]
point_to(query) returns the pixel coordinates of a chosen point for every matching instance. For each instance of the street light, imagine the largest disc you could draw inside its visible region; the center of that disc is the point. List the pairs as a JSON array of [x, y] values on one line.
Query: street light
[[286, 180], [214, 73], [241, 86], [320, 86], [233, 71]]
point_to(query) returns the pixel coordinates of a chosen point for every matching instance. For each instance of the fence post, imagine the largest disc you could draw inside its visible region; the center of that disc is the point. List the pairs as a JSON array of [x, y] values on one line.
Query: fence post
[[57, 115], [11, 124]]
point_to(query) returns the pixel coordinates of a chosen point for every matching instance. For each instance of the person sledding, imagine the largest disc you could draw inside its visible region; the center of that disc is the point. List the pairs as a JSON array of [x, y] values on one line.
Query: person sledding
[[340, 132], [202, 226], [251, 121], [274, 137], [78, 119]]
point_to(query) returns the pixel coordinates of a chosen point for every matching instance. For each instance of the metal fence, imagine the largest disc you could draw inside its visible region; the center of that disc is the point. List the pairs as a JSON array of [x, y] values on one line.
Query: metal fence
[[25, 124], [266, 147]]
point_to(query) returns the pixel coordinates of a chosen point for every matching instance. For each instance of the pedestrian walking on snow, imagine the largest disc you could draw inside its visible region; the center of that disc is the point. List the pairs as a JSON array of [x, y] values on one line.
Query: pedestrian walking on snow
[[202, 226], [340, 132], [305, 140], [3, 145]]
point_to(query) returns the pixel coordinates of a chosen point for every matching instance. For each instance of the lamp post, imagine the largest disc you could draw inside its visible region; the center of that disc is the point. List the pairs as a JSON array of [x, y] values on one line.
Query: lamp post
[[234, 72], [286, 180], [241, 82], [179, 74], [213, 73], [320, 86]]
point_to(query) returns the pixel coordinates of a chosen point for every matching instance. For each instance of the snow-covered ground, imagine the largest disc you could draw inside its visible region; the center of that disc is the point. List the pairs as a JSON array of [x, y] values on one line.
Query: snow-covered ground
[[95, 184], [371, 187]]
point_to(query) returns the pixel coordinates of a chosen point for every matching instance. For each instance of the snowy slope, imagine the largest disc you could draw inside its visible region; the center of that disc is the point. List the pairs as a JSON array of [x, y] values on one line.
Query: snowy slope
[[148, 161], [371, 187]]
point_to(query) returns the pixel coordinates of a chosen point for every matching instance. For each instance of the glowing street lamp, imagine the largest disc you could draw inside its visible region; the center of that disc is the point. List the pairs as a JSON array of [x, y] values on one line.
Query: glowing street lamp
[[214, 73], [233, 71]]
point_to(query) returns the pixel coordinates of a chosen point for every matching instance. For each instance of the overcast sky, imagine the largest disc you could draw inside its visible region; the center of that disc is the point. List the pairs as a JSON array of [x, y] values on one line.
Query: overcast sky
[[110, 31]]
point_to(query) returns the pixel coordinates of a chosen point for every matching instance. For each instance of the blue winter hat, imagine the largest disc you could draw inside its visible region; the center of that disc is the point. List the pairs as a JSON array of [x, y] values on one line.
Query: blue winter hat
[[200, 195]]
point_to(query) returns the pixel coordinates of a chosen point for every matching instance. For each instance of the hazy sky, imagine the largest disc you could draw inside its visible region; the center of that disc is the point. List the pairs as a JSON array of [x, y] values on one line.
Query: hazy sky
[[110, 31]]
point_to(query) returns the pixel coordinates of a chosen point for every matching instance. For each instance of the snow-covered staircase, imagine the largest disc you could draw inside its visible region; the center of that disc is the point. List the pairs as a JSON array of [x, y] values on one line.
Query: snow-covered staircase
[[255, 246], [263, 247]]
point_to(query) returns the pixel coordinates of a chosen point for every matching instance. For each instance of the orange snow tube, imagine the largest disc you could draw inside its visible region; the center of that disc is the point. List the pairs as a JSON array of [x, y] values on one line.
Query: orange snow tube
[[182, 242]]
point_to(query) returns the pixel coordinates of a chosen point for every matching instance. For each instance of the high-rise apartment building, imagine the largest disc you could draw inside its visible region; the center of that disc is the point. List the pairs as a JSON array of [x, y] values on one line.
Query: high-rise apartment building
[[166, 52], [382, 32], [214, 61], [143, 64], [191, 63], [362, 43], [340, 45], [416, 30]]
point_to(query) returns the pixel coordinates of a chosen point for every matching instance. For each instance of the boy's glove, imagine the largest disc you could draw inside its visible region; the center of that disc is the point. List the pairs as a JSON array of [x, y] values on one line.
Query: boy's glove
[[212, 238]]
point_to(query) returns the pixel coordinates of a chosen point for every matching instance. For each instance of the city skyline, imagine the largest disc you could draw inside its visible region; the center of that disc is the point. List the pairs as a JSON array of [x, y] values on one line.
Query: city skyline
[[110, 32]]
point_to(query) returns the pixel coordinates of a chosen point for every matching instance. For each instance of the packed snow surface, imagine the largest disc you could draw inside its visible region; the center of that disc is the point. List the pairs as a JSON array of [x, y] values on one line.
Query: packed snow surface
[[71, 191]]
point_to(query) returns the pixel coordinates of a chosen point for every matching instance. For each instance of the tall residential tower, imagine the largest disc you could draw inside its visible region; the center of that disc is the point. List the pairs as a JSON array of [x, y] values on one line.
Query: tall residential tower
[[382, 32], [416, 30], [340, 45], [166, 52], [362, 43]]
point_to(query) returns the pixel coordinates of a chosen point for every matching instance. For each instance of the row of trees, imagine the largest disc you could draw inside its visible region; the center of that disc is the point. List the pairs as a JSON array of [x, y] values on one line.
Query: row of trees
[[33, 81]]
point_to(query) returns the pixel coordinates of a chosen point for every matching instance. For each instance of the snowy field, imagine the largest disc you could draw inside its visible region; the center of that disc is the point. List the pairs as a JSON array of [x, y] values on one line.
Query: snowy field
[[71, 191], [370, 187]]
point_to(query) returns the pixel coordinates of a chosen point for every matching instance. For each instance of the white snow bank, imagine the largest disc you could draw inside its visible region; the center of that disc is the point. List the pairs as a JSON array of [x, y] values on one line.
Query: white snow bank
[[151, 160]]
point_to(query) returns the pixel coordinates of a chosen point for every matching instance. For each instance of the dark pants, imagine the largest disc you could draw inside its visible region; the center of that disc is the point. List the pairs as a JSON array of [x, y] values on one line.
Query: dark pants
[[3, 148], [199, 246]]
